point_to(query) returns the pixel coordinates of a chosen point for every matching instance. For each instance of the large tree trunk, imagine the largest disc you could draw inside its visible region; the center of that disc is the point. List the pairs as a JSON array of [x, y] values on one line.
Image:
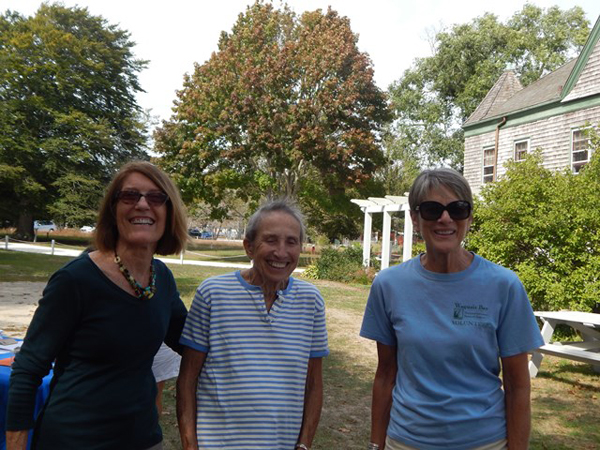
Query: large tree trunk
[[25, 225]]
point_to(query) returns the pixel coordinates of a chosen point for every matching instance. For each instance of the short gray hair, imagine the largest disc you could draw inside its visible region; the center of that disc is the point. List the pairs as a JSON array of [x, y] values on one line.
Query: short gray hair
[[285, 206], [432, 179]]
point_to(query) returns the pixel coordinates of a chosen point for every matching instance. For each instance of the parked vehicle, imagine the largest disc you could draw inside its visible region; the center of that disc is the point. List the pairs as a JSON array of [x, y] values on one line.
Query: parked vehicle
[[87, 228], [44, 226], [194, 232], [200, 234]]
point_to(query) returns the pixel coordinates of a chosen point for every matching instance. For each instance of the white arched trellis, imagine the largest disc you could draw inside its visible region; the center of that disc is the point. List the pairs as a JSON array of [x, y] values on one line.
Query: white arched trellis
[[387, 206]]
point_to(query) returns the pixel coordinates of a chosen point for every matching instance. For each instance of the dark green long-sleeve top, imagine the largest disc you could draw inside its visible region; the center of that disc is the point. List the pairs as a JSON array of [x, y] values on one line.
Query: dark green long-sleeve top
[[102, 395]]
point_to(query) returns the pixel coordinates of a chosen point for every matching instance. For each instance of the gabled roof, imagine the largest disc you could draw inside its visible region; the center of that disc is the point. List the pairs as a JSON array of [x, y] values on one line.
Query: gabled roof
[[545, 90], [506, 86], [551, 88], [587, 50]]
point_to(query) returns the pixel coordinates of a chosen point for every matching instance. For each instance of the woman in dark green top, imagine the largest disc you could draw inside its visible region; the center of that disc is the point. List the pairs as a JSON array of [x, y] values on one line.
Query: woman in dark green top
[[102, 318]]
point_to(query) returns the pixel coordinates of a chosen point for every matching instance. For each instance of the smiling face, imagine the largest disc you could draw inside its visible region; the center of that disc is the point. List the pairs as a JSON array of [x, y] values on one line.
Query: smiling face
[[139, 224], [276, 249], [444, 236]]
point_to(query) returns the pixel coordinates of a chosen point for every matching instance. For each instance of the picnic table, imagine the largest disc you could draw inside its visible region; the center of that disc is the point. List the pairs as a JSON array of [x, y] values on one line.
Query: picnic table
[[587, 350]]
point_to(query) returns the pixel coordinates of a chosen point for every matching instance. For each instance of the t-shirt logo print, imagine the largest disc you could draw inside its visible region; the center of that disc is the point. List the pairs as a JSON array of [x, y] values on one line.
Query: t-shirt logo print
[[470, 315], [458, 312]]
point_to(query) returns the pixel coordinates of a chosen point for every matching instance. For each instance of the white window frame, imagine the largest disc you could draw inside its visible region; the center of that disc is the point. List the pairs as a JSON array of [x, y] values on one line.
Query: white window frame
[[577, 165], [487, 177], [521, 141]]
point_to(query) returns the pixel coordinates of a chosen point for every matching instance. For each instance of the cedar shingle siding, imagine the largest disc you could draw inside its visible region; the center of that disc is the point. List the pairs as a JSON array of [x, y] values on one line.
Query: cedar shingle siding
[[589, 80], [546, 112]]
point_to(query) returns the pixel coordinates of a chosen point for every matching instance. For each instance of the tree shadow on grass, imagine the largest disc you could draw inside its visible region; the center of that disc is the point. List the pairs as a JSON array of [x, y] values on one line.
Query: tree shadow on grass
[[346, 417], [564, 417], [558, 442], [562, 372]]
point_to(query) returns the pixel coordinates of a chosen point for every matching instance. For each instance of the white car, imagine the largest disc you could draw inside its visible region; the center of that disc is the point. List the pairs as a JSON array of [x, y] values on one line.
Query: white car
[[87, 229], [44, 226]]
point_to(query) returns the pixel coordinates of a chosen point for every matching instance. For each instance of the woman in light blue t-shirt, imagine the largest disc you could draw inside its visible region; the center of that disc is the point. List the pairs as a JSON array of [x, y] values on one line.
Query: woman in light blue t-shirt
[[446, 322]]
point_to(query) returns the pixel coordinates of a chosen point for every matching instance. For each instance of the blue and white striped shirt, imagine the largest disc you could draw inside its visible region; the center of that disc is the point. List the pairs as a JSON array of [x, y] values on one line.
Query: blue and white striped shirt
[[251, 390]]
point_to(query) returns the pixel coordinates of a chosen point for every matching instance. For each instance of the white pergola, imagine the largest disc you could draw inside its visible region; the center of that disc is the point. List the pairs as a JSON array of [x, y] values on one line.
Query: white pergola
[[387, 206]]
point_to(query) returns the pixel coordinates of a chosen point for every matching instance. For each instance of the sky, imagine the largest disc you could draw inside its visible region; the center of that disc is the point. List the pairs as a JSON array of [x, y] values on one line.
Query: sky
[[174, 34]]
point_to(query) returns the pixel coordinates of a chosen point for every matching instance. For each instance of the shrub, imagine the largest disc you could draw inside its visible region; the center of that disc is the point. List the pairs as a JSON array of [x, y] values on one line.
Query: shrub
[[311, 272], [322, 240], [341, 265], [544, 225]]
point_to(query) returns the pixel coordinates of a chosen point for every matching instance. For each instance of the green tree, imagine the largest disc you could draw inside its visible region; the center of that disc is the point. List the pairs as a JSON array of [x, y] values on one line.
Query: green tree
[[402, 163], [286, 106], [438, 93], [68, 114], [544, 225]]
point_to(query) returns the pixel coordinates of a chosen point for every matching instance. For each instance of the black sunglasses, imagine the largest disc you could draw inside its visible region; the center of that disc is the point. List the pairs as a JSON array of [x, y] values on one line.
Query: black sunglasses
[[132, 197], [458, 210]]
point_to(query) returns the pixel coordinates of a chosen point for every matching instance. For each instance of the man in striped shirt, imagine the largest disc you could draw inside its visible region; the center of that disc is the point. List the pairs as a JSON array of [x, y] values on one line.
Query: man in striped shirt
[[251, 374]]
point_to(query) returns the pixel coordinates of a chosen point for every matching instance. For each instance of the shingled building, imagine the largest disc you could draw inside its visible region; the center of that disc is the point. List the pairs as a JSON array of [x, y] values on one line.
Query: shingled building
[[551, 113]]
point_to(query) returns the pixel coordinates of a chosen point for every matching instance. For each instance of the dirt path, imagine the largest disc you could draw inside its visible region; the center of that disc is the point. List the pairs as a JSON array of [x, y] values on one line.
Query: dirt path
[[346, 326], [18, 301]]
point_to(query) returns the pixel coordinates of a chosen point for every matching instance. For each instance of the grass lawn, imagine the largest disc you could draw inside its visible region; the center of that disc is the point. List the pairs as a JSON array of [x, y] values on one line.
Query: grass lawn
[[565, 394], [20, 266]]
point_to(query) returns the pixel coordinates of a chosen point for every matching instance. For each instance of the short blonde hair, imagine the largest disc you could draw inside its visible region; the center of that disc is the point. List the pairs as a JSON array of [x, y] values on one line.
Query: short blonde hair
[[175, 236]]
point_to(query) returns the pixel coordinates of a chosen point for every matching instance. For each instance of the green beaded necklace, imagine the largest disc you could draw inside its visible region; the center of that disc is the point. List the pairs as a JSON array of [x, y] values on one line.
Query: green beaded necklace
[[141, 292]]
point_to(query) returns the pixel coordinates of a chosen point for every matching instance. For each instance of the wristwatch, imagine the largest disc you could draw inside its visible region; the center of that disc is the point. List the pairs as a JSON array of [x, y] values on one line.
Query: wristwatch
[[301, 447], [372, 446]]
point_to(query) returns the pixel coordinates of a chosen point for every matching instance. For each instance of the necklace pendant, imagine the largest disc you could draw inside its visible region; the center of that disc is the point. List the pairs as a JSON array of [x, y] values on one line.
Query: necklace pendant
[[141, 292]]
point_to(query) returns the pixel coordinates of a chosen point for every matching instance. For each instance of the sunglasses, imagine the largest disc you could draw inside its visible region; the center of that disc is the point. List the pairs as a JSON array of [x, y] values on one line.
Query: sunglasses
[[132, 197], [458, 210]]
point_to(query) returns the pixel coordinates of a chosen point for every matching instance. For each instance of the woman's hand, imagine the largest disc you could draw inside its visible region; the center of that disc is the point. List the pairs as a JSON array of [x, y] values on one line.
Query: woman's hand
[[16, 440]]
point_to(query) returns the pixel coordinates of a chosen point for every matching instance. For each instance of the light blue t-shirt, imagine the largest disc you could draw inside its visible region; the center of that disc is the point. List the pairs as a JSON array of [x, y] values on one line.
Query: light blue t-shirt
[[251, 389], [450, 330]]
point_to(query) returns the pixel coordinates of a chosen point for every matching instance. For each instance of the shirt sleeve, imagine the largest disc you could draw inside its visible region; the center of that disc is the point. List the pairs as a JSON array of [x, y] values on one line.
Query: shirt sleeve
[[197, 324], [56, 317], [518, 331], [377, 323], [319, 347]]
